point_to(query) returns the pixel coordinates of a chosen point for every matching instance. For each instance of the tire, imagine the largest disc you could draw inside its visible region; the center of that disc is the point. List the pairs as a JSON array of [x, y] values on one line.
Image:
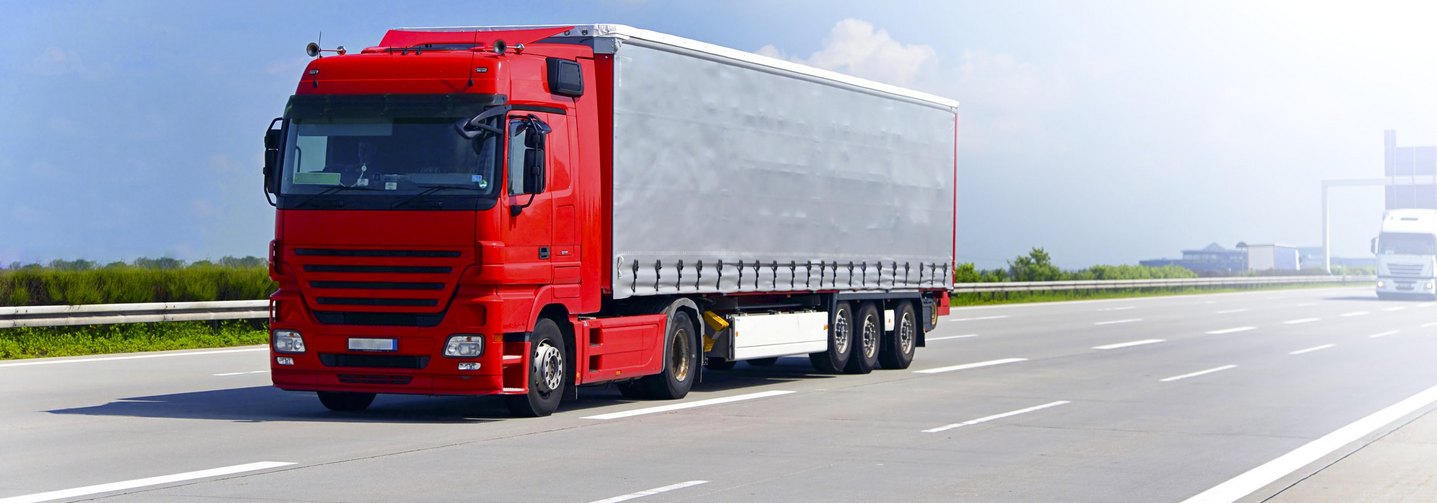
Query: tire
[[900, 344], [681, 361], [762, 362], [840, 341], [716, 363], [548, 373], [867, 336], [341, 401]]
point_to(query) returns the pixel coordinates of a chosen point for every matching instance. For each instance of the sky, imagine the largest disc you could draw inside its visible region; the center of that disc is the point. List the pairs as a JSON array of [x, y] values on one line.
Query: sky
[[1106, 132]]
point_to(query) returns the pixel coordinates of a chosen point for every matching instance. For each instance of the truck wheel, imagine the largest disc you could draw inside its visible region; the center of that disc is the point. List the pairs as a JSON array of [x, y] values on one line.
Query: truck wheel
[[867, 332], [341, 401], [840, 341], [681, 361], [762, 362], [717, 363], [898, 345], [548, 373]]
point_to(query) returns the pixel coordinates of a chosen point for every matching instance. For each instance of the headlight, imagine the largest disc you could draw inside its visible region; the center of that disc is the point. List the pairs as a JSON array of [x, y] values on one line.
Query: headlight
[[287, 341], [1380, 284], [464, 346], [1429, 285]]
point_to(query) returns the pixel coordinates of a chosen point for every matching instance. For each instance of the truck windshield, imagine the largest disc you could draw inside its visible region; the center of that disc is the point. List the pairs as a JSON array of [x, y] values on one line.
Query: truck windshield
[[339, 156], [1401, 243]]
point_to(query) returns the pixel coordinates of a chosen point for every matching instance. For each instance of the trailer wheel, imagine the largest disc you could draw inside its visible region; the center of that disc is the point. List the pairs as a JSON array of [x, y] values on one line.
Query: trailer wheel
[[681, 361], [548, 373], [762, 362], [899, 345], [717, 363], [867, 335], [341, 401], [840, 341]]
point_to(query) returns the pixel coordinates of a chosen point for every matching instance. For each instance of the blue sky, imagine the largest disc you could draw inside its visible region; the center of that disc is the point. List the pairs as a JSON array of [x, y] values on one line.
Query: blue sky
[[1107, 132]]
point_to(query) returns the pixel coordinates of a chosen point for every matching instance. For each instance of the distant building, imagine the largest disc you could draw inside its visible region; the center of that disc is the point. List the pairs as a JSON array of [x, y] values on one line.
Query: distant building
[[1273, 258], [1212, 259]]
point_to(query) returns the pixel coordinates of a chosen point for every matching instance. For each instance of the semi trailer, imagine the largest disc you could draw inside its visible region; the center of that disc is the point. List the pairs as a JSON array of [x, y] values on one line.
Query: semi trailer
[[1407, 254], [521, 211]]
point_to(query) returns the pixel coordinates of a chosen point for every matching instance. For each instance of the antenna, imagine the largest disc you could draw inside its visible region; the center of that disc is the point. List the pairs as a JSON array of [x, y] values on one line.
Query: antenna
[[470, 69]]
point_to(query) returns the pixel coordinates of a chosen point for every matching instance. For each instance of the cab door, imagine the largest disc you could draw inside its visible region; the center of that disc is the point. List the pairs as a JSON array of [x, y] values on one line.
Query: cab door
[[529, 205]]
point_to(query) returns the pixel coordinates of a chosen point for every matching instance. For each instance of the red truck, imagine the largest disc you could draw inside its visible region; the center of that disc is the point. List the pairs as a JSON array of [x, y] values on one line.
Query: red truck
[[521, 211]]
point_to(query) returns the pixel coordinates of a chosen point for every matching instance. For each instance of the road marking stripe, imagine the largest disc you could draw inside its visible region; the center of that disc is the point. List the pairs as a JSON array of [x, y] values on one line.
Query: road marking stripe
[[1425, 304], [1115, 322], [1230, 311], [1355, 313], [1130, 344], [1198, 373], [1311, 349], [996, 416], [151, 481], [944, 338], [1383, 334], [131, 357], [1300, 321], [1391, 309], [967, 366], [1231, 330], [1124, 308], [981, 318], [1269, 472], [1429, 324], [651, 492], [242, 373], [688, 405]]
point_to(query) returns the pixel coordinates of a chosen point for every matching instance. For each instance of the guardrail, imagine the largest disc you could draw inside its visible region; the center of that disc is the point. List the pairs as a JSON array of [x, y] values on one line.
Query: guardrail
[[101, 314], [1052, 286]]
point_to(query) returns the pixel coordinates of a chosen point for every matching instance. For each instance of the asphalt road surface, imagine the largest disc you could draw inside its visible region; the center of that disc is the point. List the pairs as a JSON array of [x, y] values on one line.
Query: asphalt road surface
[[1220, 397]]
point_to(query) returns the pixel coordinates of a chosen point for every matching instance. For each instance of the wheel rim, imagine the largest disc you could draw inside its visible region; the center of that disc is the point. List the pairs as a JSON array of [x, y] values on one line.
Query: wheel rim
[[678, 357], [870, 336], [906, 333], [549, 367], [840, 332]]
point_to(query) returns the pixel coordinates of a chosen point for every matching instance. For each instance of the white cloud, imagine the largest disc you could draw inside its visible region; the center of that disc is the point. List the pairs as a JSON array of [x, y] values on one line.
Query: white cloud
[[855, 47], [54, 61]]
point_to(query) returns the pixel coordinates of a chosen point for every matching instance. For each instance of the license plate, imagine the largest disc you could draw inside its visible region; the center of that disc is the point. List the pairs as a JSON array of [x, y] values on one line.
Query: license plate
[[357, 344]]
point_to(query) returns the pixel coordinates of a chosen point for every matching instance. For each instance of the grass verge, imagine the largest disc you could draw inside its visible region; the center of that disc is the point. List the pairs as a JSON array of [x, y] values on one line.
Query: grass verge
[[37, 342], [984, 299]]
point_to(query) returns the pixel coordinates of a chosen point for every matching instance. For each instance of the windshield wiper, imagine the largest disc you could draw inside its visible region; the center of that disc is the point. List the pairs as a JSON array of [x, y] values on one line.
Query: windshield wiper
[[328, 191], [432, 188]]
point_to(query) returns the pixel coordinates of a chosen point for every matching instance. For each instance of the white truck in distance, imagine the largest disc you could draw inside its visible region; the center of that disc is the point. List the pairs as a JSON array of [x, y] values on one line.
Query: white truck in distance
[[1406, 254]]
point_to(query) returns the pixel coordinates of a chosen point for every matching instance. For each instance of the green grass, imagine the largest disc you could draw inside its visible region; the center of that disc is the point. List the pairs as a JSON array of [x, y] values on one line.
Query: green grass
[[122, 283], [975, 299], [40, 342]]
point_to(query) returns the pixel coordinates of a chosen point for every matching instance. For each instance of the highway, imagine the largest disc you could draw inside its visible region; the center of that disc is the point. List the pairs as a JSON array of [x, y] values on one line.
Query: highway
[[1224, 396]]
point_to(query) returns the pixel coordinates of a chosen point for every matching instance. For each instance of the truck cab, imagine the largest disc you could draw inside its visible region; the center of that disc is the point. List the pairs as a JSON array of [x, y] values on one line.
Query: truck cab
[[1407, 254]]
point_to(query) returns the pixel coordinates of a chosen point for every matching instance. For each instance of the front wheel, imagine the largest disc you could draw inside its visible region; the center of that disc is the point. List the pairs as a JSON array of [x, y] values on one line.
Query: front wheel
[[341, 401], [548, 373]]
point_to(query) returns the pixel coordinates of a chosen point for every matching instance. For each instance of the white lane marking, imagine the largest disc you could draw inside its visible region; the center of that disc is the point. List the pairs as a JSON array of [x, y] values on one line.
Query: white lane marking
[[1426, 304], [946, 337], [131, 357], [1354, 313], [1300, 321], [1396, 308], [967, 366], [242, 373], [1130, 344], [688, 405], [151, 481], [1230, 311], [980, 318], [1198, 373], [1429, 324], [1311, 349], [1124, 308], [1269, 472], [651, 492], [996, 416], [1355, 290], [1383, 334], [1117, 322], [1231, 330]]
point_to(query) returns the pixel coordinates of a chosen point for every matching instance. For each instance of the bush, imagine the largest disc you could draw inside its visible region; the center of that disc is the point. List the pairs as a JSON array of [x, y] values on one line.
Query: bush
[[144, 280]]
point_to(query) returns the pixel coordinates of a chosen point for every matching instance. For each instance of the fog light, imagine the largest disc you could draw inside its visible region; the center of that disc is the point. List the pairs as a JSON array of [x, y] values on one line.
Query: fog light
[[468, 365], [464, 346], [287, 341], [284, 360]]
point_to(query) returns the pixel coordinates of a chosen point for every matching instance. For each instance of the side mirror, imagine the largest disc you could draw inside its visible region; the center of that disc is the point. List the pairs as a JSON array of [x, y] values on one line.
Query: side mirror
[[272, 139], [534, 179], [1374, 246]]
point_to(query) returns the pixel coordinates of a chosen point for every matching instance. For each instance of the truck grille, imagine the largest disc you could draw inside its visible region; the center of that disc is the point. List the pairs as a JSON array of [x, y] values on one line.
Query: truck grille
[[1405, 269], [379, 286]]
